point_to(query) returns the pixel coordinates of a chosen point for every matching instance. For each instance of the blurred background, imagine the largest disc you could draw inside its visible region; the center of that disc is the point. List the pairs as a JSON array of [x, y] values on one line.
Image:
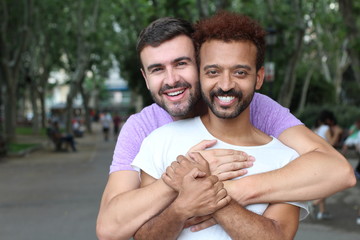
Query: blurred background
[[74, 62]]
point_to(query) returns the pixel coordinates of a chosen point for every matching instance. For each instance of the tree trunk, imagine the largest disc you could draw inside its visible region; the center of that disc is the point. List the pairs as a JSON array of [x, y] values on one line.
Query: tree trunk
[[349, 18], [305, 89], [287, 88], [341, 66], [86, 98], [10, 113]]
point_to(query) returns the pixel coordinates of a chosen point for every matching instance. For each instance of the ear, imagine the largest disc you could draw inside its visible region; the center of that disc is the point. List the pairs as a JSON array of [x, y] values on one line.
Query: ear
[[260, 78], [144, 76]]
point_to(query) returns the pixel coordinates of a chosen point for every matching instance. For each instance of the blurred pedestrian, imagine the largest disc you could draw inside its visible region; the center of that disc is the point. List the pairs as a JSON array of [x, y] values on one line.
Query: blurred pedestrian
[[105, 120], [353, 140], [328, 129], [59, 138], [116, 122]]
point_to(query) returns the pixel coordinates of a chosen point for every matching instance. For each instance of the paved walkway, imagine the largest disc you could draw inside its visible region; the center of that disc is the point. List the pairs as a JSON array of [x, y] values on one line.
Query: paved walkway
[[51, 195]]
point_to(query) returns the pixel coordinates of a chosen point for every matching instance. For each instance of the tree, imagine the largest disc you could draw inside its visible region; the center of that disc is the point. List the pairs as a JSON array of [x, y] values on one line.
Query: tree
[[349, 11], [15, 28]]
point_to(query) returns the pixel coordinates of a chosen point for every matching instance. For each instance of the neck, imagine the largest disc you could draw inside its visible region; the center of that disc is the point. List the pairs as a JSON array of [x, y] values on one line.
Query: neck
[[235, 131]]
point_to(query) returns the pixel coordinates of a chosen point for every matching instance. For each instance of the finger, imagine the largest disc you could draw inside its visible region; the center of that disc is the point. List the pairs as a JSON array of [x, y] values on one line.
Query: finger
[[195, 173], [197, 157], [219, 185], [166, 179], [223, 159], [174, 165], [233, 166], [208, 223], [222, 193], [169, 170], [203, 145], [180, 158], [232, 174], [213, 179], [196, 220], [224, 201]]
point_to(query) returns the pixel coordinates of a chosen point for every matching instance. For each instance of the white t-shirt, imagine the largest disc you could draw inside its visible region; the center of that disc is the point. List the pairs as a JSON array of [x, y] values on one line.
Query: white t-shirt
[[164, 144], [322, 130]]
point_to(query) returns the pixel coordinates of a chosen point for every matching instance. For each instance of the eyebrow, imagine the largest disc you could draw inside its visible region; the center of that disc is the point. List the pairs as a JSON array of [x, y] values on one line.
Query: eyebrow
[[153, 66], [179, 59], [234, 67], [211, 66]]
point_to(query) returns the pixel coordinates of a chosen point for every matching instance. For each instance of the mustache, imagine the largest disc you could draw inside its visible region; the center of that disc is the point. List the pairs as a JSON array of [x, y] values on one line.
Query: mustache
[[177, 85], [231, 92]]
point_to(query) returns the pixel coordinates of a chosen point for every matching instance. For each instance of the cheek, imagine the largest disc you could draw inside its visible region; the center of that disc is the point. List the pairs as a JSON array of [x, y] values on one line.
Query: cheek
[[154, 84]]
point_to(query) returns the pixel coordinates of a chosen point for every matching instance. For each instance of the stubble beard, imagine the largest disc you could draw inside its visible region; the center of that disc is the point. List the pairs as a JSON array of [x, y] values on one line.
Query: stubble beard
[[178, 109]]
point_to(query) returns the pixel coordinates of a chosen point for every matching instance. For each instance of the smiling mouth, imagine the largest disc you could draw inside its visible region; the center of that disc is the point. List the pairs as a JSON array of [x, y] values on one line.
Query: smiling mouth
[[173, 94], [226, 99]]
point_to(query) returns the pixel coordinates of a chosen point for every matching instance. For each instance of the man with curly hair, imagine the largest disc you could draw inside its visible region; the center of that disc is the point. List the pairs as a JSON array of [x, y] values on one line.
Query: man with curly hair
[[169, 67]]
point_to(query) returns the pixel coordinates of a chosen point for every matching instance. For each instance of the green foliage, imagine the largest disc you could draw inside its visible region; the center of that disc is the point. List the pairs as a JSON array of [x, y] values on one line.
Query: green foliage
[[29, 131], [58, 28], [19, 147]]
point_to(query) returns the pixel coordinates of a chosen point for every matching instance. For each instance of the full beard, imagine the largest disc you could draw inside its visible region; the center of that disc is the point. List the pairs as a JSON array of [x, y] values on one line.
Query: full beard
[[243, 103]]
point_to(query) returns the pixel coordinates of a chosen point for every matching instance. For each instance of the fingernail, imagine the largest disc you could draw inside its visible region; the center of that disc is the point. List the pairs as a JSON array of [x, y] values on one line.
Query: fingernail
[[251, 158]]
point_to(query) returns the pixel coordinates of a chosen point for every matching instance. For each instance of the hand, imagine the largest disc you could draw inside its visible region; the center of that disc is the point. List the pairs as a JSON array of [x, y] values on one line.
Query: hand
[[175, 173], [200, 223], [226, 164], [199, 195]]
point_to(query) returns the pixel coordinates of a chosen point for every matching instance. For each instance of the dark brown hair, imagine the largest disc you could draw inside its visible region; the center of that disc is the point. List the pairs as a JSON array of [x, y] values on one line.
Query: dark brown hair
[[161, 30], [227, 26]]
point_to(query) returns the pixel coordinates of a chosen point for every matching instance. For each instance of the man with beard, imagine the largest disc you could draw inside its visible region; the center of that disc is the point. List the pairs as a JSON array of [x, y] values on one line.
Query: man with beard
[[231, 53], [167, 54]]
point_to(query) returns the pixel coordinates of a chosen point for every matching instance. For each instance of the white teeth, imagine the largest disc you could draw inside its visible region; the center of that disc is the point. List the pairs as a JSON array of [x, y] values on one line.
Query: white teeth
[[175, 93], [226, 98]]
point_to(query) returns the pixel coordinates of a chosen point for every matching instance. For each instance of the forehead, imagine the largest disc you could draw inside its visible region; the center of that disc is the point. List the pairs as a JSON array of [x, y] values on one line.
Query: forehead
[[180, 46], [228, 53]]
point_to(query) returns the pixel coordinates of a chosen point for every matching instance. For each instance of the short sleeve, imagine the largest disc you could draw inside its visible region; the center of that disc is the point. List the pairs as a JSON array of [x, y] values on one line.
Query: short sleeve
[[270, 117], [127, 145]]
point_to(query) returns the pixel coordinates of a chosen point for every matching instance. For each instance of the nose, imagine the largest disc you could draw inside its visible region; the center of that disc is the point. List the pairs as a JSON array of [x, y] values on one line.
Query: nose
[[172, 77], [225, 82]]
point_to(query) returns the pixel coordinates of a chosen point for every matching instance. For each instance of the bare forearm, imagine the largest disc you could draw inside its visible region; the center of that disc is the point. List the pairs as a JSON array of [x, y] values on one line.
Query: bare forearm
[[167, 225], [240, 223], [123, 215], [311, 176]]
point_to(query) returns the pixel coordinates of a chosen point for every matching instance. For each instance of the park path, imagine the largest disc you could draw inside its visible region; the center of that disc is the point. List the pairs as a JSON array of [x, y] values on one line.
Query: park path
[[54, 195]]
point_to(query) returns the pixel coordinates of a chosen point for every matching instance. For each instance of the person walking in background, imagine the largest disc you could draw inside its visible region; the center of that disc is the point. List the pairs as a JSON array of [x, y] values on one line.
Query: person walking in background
[[116, 122], [327, 128], [105, 120], [353, 140]]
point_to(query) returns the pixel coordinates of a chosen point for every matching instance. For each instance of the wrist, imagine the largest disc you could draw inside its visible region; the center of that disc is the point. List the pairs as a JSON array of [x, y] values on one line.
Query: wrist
[[170, 192], [180, 210], [241, 190]]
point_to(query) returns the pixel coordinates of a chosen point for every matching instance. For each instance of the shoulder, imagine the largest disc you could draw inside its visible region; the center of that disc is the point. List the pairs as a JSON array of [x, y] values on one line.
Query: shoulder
[[151, 117], [264, 102], [176, 128]]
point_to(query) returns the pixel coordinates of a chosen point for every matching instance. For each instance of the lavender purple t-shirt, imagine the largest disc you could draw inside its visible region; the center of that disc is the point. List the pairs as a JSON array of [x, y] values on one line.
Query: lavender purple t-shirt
[[265, 114]]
